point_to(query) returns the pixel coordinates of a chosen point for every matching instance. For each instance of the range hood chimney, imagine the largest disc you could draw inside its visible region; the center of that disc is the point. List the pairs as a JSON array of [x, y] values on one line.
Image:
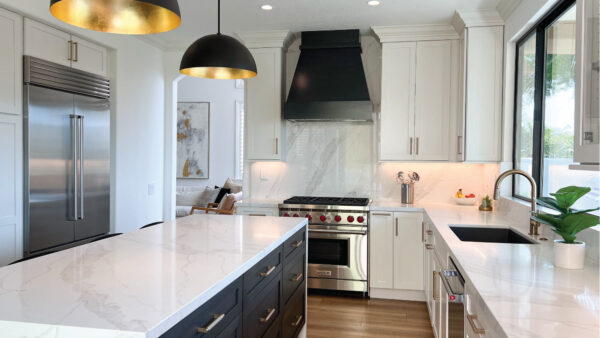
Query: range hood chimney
[[329, 83]]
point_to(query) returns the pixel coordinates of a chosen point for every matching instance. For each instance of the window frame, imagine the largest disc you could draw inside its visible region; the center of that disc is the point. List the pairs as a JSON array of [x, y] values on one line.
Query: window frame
[[539, 31]]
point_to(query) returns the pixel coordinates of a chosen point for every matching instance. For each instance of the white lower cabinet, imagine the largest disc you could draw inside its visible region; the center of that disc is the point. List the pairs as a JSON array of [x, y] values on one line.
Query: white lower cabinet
[[396, 255], [479, 322], [254, 211]]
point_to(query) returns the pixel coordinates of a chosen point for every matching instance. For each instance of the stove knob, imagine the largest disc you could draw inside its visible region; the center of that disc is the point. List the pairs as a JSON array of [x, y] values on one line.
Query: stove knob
[[360, 219], [286, 215], [338, 218], [296, 215], [323, 218], [350, 219], [309, 217]]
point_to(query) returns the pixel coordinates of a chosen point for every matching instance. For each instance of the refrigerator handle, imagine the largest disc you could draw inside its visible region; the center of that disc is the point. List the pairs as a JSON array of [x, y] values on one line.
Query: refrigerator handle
[[74, 127], [81, 166]]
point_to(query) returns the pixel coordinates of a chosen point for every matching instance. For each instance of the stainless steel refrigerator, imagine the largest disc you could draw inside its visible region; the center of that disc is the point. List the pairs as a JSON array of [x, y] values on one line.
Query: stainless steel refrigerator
[[67, 156]]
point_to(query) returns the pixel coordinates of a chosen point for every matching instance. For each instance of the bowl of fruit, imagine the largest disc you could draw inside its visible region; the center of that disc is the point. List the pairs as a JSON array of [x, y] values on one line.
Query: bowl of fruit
[[464, 199]]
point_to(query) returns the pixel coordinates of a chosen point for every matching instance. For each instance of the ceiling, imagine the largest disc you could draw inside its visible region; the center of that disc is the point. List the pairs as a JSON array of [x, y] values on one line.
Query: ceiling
[[200, 16]]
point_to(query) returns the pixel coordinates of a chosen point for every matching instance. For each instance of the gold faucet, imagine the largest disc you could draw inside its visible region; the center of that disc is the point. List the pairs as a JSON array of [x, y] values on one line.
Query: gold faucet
[[533, 224]]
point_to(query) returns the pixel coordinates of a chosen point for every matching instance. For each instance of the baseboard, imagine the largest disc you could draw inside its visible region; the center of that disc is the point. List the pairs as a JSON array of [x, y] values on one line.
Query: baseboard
[[412, 295]]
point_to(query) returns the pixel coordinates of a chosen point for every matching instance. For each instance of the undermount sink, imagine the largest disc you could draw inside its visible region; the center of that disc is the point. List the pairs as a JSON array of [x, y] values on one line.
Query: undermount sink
[[490, 235]]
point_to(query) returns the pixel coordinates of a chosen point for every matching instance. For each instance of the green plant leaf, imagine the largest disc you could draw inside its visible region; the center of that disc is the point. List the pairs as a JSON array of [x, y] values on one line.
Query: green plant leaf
[[573, 211], [551, 203], [551, 220], [567, 196], [574, 223]]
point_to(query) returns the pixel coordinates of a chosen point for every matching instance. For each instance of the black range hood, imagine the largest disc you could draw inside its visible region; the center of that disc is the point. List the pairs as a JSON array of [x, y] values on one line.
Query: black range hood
[[329, 83]]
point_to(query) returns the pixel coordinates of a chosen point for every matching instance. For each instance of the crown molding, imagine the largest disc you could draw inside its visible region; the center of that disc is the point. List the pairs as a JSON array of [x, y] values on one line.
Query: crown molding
[[414, 33], [478, 18], [507, 7], [265, 39]]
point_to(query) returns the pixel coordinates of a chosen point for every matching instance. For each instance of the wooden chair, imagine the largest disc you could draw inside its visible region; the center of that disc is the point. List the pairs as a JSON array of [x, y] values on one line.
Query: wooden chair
[[212, 207]]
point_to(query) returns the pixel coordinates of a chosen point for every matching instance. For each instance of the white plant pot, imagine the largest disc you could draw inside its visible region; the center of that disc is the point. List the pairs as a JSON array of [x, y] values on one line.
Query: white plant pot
[[569, 256]]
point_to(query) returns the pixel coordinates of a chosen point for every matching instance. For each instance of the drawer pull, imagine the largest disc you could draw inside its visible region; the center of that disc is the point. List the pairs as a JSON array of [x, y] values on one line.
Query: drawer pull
[[297, 244], [217, 318], [380, 214], [471, 319], [429, 246], [263, 215], [268, 272], [270, 313], [297, 278], [429, 232], [436, 291], [298, 321]]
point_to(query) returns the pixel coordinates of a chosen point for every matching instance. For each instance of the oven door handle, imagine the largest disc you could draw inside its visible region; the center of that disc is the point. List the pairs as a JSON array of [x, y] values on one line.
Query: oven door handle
[[337, 232]]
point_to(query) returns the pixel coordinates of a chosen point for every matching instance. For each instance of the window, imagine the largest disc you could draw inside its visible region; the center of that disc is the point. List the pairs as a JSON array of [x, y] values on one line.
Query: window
[[545, 108], [239, 140]]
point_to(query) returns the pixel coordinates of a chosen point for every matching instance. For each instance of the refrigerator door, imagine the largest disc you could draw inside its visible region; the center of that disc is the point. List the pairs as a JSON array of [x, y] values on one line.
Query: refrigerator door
[[51, 135], [94, 189]]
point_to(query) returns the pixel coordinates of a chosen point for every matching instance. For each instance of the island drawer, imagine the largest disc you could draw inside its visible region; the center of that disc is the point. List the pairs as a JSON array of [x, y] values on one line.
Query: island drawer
[[275, 330], [295, 243], [261, 311], [294, 315], [214, 318], [294, 274], [262, 273]]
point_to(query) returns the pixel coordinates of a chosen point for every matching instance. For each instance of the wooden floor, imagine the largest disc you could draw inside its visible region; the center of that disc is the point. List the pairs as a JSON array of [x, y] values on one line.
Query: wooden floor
[[333, 316]]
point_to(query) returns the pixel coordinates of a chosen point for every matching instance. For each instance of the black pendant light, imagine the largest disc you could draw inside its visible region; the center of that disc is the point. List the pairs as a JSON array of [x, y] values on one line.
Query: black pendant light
[[119, 16], [218, 56]]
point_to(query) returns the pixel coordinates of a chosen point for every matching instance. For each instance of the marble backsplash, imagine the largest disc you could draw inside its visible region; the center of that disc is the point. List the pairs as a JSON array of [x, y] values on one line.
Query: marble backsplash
[[340, 159]]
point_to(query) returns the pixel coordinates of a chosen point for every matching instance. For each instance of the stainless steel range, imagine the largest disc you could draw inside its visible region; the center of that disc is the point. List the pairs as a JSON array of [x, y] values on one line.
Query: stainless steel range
[[337, 240]]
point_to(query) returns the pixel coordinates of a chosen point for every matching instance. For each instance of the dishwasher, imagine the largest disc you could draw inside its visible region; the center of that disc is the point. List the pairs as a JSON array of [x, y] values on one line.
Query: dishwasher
[[454, 284]]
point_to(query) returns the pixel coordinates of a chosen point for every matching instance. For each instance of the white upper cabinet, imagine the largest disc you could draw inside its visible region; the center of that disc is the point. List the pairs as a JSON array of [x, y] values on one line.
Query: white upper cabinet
[[397, 101], [88, 56], [53, 45], [11, 38], [483, 94], [416, 102]]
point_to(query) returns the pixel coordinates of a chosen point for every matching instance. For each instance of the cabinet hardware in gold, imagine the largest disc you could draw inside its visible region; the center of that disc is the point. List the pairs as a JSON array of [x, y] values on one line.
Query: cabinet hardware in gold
[[298, 321], [70, 57], [297, 244], [270, 313], [396, 227], [268, 272], [297, 277], [429, 246], [417, 146], [411, 145], [422, 231], [380, 214], [76, 58], [460, 145], [277, 146], [436, 291], [471, 319], [258, 215], [429, 232], [217, 318]]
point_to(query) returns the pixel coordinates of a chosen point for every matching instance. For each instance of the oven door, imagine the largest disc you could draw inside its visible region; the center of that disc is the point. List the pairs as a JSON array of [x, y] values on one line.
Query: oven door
[[337, 252]]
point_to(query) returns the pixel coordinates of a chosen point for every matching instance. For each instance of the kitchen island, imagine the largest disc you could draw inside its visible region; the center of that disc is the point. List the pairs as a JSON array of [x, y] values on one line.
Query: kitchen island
[[150, 282]]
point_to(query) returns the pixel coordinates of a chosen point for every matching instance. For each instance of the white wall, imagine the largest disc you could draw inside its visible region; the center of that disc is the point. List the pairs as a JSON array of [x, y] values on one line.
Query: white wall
[[137, 118], [222, 95]]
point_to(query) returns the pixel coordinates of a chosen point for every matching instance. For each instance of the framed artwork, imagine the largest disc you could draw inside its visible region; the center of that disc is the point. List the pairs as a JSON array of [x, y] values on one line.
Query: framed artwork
[[193, 139]]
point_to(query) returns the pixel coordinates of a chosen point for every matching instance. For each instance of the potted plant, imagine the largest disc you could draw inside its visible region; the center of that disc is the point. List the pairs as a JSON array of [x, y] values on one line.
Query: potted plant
[[568, 253]]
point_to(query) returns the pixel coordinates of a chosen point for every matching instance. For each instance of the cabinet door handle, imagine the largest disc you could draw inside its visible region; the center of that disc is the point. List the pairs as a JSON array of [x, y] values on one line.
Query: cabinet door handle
[[277, 146], [471, 319], [297, 277], [217, 318], [396, 227], [435, 294], [411, 145], [297, 244], [268, 272], [70, 57], [257, 215], [428, 246], [298, 321], [76, 44], [429, 232], [380, 214], [460, 145], [422, 231], [417, 146], [270, 313]]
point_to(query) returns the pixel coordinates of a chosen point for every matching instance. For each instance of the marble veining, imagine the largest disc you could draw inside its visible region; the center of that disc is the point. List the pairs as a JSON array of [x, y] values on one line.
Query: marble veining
[[519, 284], [138, 284]]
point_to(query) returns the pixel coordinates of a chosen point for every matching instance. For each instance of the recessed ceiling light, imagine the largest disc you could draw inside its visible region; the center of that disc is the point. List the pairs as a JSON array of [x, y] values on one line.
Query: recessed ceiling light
[[266, 7], [373, 3]]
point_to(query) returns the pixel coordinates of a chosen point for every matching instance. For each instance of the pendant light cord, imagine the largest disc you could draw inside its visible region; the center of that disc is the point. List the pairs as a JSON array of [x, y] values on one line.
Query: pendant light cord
[[219, 17]]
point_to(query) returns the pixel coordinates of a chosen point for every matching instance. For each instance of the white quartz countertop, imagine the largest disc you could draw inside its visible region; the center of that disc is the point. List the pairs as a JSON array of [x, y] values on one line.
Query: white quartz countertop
[[526, 294], [138, 284]]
